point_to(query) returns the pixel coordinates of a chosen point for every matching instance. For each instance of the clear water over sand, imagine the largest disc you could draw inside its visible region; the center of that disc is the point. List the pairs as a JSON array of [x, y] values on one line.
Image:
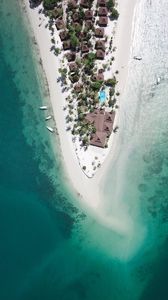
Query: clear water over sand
[[49, 248]]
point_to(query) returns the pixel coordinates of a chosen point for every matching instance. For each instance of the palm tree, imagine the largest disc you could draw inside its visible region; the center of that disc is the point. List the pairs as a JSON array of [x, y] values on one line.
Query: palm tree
[[115, 129]]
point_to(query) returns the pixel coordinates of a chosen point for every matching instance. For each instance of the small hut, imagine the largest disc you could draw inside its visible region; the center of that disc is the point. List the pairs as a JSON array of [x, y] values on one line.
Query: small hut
[[103, 21], [99, 32], [103, 11], [67, 45], [100, 54], [60, 24], [100, 45]]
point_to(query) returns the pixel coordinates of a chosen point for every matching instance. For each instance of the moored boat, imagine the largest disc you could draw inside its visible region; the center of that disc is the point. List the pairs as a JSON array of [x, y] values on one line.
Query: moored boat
[[48, 118], [137, 57], [158, 80], [43, 107], [50, 129]]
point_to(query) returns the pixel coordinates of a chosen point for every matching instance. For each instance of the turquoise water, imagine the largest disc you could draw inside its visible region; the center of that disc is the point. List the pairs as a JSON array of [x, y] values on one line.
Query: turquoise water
[[30, 229], [49, 248], [102, 96]]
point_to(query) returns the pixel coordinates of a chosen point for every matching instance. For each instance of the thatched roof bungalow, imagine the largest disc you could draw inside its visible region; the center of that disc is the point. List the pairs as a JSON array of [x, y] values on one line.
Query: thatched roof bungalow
[[100, 45], [99, 77], [78, 87], [101, 2], [100, 54], [64, 35], [71, 56], [76, 17], [73, 3], [103, 21], [89, 14], [84, 3], [67, 45], [103, 127], [103, 11], [89, 24], [84, 48], [99, 32], [73, 67]]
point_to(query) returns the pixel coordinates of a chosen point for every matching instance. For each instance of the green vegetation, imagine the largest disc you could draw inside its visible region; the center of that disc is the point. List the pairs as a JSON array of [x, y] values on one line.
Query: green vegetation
[[57, 51], [81, 116], [96, 85], [112, 102], [63, 73], [89, 62], [85, 140], [74, 40], [111, 82], [74, 78], [81, 13], [110, 4], [49, 4], [83, 79], [111, 92], [78, 29], [34, 3], [115, 129], [56, 13], [114, 14]]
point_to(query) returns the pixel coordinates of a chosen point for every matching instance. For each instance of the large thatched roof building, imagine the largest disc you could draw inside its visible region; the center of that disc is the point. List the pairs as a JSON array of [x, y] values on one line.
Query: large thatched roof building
[[103, 122]]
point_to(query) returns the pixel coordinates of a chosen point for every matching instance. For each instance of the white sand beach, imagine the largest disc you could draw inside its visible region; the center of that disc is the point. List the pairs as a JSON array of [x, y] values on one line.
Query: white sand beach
[[88, 188], [122, 41]]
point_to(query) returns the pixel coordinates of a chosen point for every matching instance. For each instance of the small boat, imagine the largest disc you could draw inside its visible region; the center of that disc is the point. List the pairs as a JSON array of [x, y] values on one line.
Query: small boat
[[48, 118], [43, 107], [158, 80], [137, 57], [50, 129]]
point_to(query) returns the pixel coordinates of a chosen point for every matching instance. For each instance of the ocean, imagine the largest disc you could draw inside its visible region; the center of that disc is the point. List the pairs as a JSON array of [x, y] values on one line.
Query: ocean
[[49, 247]]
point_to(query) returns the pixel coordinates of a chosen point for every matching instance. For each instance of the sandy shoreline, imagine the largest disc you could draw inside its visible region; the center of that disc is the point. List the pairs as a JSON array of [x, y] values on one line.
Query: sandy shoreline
[[122, 41], [87, 188]]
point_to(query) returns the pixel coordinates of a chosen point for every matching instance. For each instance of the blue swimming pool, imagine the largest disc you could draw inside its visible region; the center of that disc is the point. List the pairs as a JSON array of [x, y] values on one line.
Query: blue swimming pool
[[102, 96]]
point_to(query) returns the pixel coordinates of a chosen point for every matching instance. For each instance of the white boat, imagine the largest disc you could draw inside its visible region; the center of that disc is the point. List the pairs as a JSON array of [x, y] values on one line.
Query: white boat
[[50, 129], [137, 57], [43, 107], [48, 118], [158, 80]]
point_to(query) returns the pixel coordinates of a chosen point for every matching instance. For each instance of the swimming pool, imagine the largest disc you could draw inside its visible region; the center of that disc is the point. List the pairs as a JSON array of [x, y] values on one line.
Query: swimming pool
[[102, 96]]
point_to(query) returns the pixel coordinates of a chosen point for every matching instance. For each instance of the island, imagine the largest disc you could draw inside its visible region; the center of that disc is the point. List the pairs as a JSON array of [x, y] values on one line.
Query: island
[[82, 34], [85, 78]]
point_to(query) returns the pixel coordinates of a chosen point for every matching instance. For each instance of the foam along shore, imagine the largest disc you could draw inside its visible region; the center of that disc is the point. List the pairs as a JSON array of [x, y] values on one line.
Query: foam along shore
[[87, 188]]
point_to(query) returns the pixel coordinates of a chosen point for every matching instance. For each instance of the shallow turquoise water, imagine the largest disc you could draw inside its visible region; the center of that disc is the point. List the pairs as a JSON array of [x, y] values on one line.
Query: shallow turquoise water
[[49, 249], [30, 230]]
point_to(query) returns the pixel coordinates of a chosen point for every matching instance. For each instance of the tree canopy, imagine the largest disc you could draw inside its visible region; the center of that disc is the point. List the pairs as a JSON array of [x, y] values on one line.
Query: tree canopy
[[114, 14], [34, 3], [96, 85], [74, 40], [49, 4], [110, 4]]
